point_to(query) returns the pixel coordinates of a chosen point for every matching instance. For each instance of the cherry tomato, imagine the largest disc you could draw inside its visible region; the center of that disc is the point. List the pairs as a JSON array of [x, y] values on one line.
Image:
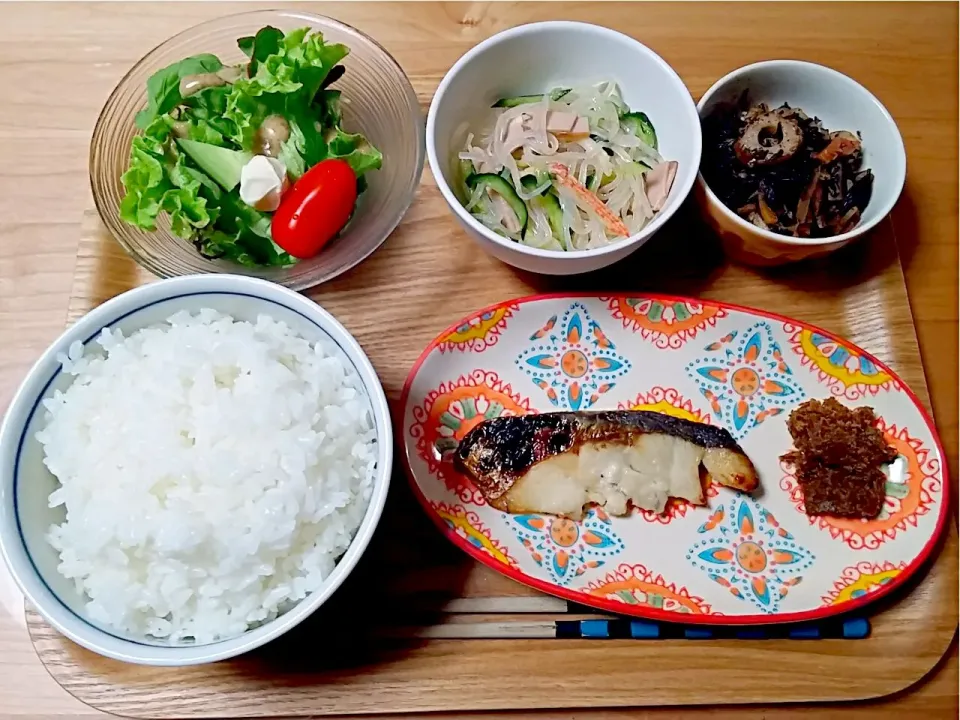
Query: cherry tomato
[[315, 209]]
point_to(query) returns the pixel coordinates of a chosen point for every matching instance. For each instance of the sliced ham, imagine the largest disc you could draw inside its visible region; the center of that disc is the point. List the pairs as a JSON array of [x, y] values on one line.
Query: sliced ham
[[567, 125], [658, 183]]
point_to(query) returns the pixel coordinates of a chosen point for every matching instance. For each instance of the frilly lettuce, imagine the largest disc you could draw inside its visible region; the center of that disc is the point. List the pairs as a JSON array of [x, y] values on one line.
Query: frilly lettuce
[[354, 148], [159, 180], [287, 74], [163, 87]]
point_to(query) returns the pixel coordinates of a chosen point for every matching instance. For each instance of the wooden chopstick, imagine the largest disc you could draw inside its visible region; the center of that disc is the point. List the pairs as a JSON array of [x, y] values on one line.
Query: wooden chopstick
[[515, 604], [532, 617]]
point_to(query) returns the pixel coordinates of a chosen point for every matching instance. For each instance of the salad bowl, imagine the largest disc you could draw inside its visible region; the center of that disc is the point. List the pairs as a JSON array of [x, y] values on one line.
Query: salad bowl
[[378, 102]]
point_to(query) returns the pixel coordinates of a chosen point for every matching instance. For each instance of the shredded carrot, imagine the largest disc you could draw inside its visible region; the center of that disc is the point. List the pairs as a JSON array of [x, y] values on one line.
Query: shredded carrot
[[613, 223]]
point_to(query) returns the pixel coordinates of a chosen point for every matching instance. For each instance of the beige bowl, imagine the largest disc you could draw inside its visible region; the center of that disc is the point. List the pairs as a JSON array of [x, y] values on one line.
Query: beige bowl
[[842, 104]]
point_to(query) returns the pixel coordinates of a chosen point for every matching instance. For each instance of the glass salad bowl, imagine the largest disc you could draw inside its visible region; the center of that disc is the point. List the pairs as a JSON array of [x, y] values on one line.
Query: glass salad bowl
[[378, 101]]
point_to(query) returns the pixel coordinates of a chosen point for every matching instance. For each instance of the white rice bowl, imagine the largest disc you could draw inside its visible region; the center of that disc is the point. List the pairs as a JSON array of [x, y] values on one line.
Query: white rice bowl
[[212, 472]]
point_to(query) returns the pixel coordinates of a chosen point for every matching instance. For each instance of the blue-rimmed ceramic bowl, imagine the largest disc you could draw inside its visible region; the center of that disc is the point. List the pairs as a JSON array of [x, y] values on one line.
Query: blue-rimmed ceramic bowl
[[25, 483]]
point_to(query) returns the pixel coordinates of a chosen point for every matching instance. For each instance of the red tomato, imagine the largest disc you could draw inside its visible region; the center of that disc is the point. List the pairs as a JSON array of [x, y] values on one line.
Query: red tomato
[[315, 209]]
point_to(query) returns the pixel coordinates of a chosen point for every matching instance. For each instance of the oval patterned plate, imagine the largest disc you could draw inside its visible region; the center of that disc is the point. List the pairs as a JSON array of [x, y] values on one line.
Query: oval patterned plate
[[741, 559]]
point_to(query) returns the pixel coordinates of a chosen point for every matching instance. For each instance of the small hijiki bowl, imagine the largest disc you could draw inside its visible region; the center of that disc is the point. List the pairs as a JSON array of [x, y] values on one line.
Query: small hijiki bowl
[[842, 104]]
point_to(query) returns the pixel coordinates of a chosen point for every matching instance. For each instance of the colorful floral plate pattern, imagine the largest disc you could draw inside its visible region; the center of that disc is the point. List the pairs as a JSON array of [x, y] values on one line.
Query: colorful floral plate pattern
[[739, 559]]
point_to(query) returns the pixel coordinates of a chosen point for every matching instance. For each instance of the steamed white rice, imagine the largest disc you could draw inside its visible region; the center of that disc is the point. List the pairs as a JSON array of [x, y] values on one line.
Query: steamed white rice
[[212, 472]]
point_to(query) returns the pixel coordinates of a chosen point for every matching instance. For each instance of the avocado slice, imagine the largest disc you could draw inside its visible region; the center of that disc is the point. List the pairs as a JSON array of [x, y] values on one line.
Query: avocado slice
[[220, 163]]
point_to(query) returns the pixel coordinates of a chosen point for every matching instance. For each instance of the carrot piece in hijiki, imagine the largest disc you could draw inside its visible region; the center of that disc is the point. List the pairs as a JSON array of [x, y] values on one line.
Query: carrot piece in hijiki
[[613, 223]]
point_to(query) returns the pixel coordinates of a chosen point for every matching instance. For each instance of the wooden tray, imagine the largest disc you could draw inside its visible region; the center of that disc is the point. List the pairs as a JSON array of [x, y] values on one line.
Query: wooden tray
[[427, 275]]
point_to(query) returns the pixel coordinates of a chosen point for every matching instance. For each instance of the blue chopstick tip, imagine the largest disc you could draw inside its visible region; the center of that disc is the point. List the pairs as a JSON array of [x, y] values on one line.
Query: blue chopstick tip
[[856, 628], [594, 628], [644, 630]]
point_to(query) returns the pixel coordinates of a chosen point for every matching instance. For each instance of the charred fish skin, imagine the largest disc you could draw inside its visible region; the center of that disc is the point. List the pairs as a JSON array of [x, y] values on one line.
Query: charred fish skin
[[498, 453], [513, 443]]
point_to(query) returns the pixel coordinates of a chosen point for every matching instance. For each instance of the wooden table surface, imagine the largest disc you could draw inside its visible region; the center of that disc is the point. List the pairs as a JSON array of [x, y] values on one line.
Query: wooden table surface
[[58, 62]]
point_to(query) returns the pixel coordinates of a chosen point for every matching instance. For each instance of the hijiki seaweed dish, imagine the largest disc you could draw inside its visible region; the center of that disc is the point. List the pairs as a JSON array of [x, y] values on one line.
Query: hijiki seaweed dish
[[781, 170]]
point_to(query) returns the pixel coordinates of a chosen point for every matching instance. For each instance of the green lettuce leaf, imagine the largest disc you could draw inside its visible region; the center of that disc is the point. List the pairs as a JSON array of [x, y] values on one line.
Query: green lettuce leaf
[[184, 175], [354, 148], [327, 104], [265, 43], [159, 179], [209, 103], [306, 135], [242, 234], [236, 216], [145, 182], [185, 202], [292, 160], [187, 210], [246, 44], [300, 65], [316, 60], [245, 113], [273, 76], [163, 87]]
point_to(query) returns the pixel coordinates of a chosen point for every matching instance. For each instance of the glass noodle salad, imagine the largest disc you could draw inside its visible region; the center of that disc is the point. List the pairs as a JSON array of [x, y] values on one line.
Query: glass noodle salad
[[572, 169]]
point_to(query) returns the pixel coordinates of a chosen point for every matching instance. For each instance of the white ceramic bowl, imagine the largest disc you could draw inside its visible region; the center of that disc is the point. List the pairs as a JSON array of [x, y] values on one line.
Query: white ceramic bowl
[[25, 482], [535, 58], [842, 104]]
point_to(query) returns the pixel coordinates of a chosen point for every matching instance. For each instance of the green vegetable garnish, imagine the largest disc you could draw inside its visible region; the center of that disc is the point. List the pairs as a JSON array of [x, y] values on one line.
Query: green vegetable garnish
[[203, 118], [163, 87], [261, 46]]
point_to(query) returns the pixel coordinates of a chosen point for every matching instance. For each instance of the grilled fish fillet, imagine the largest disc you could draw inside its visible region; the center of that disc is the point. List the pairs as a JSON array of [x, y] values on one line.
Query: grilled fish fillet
[[558, 463]]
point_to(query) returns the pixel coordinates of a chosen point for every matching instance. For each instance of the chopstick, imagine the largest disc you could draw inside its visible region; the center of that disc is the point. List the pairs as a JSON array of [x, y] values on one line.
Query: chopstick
[[533, 617], [595, 628]]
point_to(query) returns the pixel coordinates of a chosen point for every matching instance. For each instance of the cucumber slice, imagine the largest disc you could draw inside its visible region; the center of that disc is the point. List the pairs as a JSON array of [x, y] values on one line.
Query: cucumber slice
[[509, 102], [532, 182], [554, 214], [551, 206], [634, 168], [639, 124], [495, 183], [464, 171], [593, 182]]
